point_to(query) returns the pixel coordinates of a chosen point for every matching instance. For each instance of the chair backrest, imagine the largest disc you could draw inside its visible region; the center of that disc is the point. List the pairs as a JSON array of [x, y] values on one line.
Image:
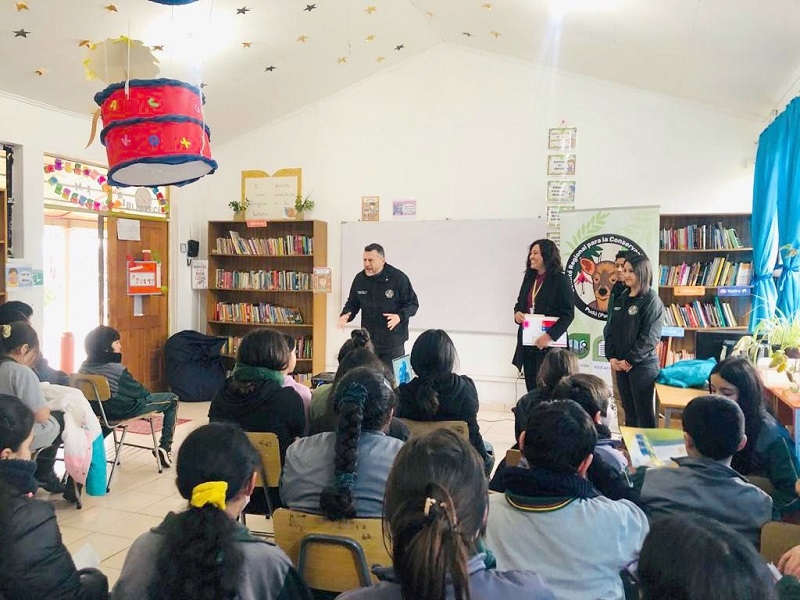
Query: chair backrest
[[94, 387], [337, 555], [513, 457], [777, 538], [266, 444], [763, 483], [417, 428]]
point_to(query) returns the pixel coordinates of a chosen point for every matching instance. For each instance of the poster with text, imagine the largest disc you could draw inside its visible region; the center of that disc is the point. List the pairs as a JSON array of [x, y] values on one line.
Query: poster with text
[[562, 138], [370, 208], [590, 239], [561, 191], [404, 209], [561, 164]]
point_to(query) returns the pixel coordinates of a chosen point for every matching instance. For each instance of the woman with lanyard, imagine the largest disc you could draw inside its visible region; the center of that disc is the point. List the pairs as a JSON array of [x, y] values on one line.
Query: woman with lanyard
[[632, 332], [545, 290]]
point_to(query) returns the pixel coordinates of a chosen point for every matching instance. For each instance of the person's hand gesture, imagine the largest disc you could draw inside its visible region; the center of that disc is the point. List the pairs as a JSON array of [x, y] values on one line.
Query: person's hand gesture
[[391, 320], [519, 317], [343, 320], [543, 341], [789, 563]]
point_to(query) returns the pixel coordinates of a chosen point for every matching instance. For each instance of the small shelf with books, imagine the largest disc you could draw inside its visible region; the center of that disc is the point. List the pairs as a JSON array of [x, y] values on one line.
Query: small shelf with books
[[262, 277], [704, 277]]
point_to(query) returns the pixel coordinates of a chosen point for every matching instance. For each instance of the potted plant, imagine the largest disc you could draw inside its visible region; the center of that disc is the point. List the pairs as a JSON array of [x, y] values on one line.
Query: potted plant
[[780, 336], [303, 205], [239, 209]]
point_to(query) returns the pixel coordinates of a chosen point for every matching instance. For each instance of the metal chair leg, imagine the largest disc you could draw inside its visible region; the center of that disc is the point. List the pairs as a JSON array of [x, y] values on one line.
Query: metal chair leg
[[155, 446], [118, 445]]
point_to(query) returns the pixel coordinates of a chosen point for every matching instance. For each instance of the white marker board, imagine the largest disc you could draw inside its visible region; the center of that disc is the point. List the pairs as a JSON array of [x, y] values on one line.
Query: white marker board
[[466, 274]]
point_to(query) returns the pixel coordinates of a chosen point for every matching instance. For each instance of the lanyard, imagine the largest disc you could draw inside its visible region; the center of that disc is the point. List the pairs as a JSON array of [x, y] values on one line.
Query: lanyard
[[535, 292]]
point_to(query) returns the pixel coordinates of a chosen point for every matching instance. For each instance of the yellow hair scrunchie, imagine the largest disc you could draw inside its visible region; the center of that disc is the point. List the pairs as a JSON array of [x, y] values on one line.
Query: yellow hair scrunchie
[[210, 492]]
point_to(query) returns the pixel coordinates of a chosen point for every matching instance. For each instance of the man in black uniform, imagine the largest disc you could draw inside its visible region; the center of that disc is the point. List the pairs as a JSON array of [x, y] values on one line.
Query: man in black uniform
[[386, 300]]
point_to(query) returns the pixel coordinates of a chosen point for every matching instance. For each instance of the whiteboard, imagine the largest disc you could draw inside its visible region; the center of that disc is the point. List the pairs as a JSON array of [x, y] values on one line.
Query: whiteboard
[[466, 274]]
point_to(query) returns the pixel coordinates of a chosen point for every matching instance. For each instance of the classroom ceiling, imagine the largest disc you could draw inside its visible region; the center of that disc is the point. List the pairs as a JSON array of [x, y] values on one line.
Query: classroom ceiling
[[261, 59]]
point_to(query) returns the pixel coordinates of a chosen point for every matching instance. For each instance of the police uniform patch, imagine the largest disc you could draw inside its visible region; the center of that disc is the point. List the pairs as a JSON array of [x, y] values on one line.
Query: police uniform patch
[[633, 310], [389, 293]]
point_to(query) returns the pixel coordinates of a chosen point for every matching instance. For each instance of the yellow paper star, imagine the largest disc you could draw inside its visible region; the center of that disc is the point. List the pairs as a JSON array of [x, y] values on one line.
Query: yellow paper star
[[370, 9], [429, 14], [111, 7], [21, 6], [246, 44], [496, 34], [185, 143], [41, 72], [342, 59], [84, 44], [370, 38], [157, 48], [302, 38], [380, 59], [487, 5]]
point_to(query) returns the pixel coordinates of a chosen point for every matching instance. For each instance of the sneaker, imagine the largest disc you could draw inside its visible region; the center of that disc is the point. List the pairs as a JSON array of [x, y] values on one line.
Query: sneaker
[[52, 483], [165, 456]]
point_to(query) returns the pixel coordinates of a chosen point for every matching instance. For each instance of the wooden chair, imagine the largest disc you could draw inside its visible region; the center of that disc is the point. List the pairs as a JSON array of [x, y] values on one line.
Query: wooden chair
[[334, 556], [513, 457], [269, 475], [96, 389], [417, 428], [763, 483], [777, 538]]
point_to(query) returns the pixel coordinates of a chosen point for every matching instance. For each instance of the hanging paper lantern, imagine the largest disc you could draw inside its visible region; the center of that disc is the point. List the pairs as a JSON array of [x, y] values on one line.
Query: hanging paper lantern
[[154, 133], [173, 2]]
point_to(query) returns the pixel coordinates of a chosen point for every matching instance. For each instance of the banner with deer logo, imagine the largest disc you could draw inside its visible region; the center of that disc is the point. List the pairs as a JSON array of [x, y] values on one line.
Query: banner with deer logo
[[590, 240]]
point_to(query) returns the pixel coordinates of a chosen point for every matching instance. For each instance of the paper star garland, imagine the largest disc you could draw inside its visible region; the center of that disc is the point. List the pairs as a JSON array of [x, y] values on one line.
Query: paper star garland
[[466, 33], [309, 7], [21, 33], [370, 9], [159, 48], [302, 38], [370, 38], [380, 59], [429, 14], [487, 5], [203, 85], [111, 7], [41, 72], [246, 44], [271, 68], [399, 47], [21, 6], [84, 43], [342, 60], [496, 34], [243, 11]]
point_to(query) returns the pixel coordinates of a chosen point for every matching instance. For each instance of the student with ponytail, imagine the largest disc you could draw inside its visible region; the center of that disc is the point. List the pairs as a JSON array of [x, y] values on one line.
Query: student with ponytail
[[203, 553], [343, 474], [435, 509], [437, 393]]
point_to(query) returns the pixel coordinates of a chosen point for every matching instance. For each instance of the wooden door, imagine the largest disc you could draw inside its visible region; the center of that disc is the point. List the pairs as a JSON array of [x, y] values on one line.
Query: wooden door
[[142, 337]]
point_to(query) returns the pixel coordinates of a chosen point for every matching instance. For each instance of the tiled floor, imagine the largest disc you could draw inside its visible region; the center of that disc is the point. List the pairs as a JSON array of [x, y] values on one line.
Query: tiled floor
[[140, 497]]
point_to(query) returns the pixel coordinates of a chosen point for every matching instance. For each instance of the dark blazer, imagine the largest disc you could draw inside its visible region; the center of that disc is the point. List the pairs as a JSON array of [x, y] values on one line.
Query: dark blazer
[[554, 299], [633, 328]]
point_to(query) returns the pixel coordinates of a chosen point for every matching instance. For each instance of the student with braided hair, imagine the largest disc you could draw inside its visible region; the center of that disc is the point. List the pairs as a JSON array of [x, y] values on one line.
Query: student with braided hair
[[342, 474], [435, 509], [202, 552]]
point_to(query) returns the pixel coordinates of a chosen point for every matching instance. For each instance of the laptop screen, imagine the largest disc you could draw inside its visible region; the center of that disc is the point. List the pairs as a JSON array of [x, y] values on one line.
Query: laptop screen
[[403, 373]]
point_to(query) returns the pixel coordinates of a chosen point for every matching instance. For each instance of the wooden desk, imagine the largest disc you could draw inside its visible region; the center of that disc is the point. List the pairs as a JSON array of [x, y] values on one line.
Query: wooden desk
[[786, 403], [674, 399]]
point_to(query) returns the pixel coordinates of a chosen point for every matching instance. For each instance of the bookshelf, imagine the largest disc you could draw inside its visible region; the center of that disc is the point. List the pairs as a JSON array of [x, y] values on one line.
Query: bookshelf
[[262, 277], [704, 278]]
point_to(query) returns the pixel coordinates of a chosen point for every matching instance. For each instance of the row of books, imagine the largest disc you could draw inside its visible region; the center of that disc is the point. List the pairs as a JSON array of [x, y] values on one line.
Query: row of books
[[719, 272], [667, 356], [303, 346], [700, 237], [263, 312], [699, 314], [288, 245], [263, 280]]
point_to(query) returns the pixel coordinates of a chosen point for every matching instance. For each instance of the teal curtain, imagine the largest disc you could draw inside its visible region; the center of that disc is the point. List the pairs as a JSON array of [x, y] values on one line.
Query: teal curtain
[[788, 202], [764, 226]]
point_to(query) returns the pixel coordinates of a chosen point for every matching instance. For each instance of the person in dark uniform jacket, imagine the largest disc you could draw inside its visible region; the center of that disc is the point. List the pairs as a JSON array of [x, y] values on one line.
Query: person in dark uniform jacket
[[632, 332], [387, 301], [545, 290]]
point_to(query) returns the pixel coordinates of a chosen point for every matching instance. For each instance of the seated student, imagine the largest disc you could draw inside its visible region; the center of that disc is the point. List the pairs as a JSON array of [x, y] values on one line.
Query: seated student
[[14, 310], [288, 381], [343, 474], [254, 395], [437, 393], [552, 519], [608, 471], [704, 482], [19, 347], [695, 558], [769, 451], [34, 563], [322, 414], [556, 364], [435, 509], [128, 397], [203, 552]]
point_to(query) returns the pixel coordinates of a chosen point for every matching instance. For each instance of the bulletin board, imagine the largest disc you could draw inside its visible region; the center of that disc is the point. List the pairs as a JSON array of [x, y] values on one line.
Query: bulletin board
[[271, 196]]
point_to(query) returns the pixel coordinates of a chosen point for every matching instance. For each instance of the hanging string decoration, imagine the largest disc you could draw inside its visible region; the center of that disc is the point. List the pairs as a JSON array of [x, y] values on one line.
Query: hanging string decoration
[[155, 133]]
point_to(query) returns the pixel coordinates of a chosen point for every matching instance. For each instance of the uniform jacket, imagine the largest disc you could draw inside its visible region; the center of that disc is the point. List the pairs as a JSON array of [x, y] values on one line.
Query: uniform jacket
[[458, 401], [483, 584], [389, 291], [553, 299], [702, 486], [264, 406], [127, 394], [633, 328], [39, 565]]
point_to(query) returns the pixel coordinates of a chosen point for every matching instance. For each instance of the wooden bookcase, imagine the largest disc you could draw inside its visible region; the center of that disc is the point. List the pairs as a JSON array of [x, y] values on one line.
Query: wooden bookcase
[[705, 290], [3, 244], [312, 306]]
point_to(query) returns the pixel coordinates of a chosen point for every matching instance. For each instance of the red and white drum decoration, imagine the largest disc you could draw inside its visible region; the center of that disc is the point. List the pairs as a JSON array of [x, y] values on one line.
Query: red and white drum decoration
[[154, 133]]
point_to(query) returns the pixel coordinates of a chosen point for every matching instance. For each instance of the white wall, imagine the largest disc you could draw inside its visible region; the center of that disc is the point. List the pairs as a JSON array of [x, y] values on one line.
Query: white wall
[[38, 129], [466, 134]]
